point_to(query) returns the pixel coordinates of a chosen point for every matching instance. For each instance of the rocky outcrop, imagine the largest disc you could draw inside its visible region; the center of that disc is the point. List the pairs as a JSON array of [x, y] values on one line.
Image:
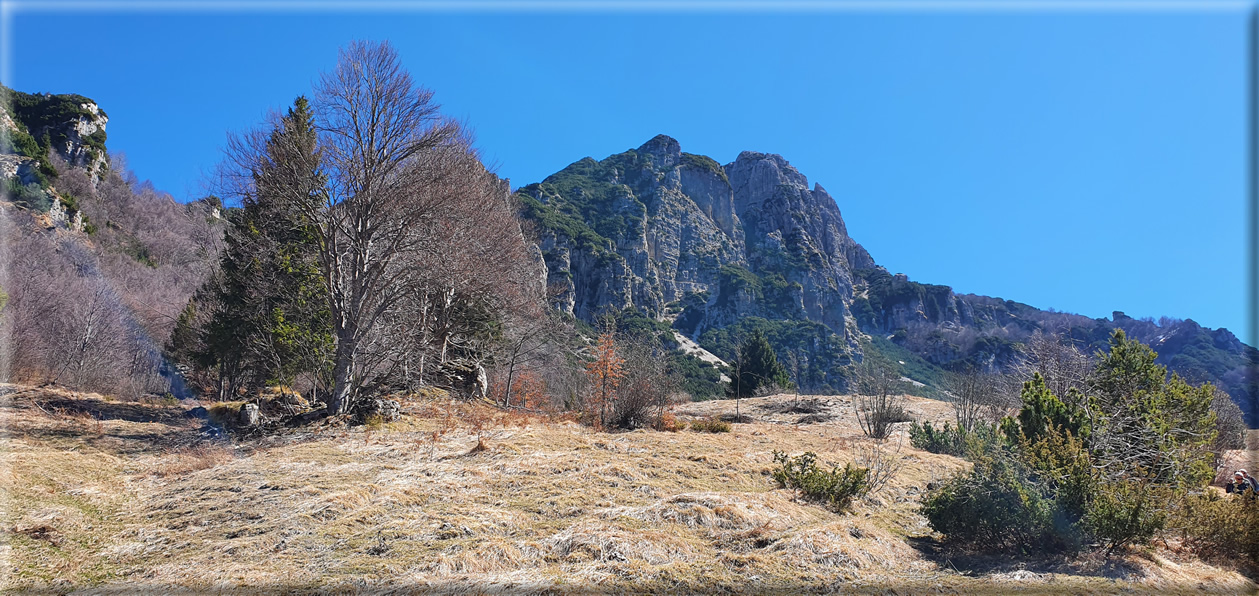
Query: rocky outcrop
[[799, 232], [18, 166], [676, 234], [651, 227], [74, 135], [70, 125]]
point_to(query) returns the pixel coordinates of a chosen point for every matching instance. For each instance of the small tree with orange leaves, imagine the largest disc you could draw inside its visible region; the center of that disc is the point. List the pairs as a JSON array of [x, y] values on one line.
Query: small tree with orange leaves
[[605, 373], [530, 391]]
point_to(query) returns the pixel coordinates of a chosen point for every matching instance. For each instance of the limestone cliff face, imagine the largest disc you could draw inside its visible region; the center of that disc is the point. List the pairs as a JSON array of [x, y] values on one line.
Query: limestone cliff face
[[682, 238], [643, 228], [798, 232], [667, 222], [74, 135]]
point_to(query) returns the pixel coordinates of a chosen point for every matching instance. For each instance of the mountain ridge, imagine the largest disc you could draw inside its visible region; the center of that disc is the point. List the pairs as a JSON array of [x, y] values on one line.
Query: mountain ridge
[[718, 250]]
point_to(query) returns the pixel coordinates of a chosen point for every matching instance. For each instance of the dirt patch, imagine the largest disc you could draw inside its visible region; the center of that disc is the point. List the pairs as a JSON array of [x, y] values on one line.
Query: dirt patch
[[40, 532]]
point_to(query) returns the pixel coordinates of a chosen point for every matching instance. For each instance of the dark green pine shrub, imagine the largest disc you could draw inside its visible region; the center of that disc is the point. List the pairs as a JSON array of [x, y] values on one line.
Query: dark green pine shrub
[[1109, 472], [1217, 526], [954, 440], [836, 487], [757, 367], [997, 506]]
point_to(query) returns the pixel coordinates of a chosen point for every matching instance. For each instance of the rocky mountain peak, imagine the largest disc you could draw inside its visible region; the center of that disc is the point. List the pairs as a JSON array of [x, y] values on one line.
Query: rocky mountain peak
[[758, 175], [665, 151]]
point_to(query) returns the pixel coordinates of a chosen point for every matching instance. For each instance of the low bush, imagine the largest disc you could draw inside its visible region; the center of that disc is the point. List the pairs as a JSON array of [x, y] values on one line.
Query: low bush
[[1127, 511], [995, 506], [1214, 525], [837, 487], [710, 425], [953, 440], [31, 196], [667, 422]]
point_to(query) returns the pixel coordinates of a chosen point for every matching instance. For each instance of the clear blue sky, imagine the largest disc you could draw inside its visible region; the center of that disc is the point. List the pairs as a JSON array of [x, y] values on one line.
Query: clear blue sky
[[1086, 160]]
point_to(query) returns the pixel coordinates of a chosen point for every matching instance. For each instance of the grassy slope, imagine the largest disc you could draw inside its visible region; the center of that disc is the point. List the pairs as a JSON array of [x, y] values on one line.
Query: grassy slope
[[119, 496]]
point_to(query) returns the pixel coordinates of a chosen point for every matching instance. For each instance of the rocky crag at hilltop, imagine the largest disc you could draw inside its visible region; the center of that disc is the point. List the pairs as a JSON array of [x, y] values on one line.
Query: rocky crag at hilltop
[[680, 237], [720, 251], [32, 124]]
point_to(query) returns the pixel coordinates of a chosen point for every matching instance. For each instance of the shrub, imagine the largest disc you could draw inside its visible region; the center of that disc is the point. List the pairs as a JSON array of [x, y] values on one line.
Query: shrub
[[878, 403], [837, 488], [1106, 466], [1124, 511], [630, 383], [948, 439], [1217, 526], [882, 464], [710, 425], [30, 195], [954, 440], [997, 506], [668, 423]]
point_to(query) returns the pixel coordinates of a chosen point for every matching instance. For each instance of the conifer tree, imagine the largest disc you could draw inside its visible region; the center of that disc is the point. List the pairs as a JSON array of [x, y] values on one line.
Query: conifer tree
[[757, 367], [263, 317]]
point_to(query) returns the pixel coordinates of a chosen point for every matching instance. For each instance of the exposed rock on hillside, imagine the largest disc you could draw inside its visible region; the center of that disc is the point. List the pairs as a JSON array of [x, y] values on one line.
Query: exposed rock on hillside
[[721, 251], [71, 125], [676, 234]]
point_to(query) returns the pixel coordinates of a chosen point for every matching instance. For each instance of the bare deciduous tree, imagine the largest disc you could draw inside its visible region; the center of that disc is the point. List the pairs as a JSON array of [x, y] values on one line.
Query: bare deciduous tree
[[648, 386], [883, 464], [1063, 366], [1230, 424], [529, 342], [376, 127], [977, 398], [878, 403]]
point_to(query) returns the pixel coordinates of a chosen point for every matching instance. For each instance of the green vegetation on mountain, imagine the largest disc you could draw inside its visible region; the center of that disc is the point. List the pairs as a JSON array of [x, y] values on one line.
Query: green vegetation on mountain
[[41, 121], [820, 354], [884, 292], [589, 201], [756, 367], [704, 163], [699, 379]]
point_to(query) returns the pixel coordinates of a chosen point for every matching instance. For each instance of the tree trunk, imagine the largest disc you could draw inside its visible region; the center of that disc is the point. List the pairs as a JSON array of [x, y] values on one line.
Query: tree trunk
[[342, 379]]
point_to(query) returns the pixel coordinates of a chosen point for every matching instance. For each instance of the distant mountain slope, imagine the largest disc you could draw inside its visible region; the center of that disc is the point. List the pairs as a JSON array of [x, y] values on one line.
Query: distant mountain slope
[[720, 251]]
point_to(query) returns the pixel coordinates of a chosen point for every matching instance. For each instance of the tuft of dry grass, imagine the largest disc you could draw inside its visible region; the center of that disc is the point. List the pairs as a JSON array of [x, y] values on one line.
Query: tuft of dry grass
[[185, 460], [710, 425]]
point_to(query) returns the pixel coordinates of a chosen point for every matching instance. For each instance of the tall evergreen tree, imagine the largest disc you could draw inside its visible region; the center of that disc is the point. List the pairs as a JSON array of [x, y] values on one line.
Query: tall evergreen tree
[[263, 318]]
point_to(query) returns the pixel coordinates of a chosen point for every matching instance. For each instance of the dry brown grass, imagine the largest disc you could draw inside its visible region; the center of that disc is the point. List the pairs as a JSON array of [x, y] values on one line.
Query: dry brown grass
[[460, 497], [181, 461]]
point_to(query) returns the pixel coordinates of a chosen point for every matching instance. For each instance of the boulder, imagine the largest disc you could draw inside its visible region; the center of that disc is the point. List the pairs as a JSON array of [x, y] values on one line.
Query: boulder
[[388, 410], [249, 415]]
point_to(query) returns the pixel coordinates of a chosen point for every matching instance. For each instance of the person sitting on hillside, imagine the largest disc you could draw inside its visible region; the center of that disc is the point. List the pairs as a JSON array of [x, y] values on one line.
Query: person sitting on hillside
[[1240, 484], [1254, 483]]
